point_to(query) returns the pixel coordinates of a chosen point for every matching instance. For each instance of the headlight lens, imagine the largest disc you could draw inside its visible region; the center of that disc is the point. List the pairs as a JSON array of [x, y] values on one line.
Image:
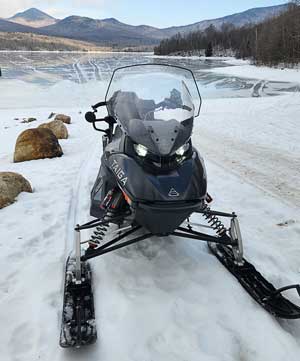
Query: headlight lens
[[140, 150], [183, 149]]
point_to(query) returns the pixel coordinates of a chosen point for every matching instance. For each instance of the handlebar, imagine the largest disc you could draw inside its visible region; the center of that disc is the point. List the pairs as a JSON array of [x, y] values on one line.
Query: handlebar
[[98, 105]]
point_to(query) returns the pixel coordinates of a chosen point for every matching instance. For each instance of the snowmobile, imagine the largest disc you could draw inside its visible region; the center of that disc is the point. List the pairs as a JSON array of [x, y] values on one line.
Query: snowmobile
[[151, 181]]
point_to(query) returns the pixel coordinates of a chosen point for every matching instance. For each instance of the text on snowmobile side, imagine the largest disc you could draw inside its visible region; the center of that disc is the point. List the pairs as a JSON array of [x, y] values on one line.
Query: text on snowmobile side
[[119, 172]]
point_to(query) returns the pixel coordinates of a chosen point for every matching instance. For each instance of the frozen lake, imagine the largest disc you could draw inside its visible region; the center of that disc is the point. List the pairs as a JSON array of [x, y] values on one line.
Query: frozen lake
[[80, 79]]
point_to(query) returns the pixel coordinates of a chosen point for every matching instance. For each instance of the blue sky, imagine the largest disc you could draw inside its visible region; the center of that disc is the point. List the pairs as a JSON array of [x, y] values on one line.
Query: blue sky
[[160, 13]]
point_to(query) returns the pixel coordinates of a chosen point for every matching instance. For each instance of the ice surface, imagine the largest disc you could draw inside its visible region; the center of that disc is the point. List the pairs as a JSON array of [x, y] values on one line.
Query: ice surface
[[45, 74]]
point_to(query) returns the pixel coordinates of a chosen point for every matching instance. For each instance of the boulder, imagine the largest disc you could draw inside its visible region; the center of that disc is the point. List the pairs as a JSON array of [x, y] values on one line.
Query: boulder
[[12, 184], [37, 143], [28, 120], [57, 127], [64, 118]]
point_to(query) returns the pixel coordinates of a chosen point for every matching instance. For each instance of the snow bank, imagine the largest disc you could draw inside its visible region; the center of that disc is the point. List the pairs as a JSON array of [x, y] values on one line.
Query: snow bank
[[192, 57], [244, 70]]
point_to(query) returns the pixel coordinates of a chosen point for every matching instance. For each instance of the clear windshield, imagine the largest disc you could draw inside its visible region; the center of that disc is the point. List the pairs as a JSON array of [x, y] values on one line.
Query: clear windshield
[[153, 92]]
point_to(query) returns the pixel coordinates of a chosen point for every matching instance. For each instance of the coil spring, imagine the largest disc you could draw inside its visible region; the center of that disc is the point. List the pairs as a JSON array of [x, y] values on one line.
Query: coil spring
[[97, 236], [100, 231], [214, 221]]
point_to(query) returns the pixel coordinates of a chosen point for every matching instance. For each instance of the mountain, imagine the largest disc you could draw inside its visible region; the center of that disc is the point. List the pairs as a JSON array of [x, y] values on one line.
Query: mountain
[[254, 16], [104, 31], [33, 17], [111, 32]]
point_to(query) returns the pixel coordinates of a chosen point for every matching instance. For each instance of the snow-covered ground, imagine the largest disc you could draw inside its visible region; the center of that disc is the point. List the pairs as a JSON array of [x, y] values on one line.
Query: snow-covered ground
[[165, 299], [244, 69]]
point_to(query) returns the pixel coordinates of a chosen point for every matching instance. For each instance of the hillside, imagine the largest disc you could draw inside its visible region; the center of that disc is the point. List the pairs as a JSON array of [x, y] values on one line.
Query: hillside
[[107, 31], [35, 42], [251, 16], [6, 25], [273, 42]]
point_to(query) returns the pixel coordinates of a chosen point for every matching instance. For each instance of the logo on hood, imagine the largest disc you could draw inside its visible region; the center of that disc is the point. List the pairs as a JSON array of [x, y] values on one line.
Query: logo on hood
[[173, 193], [119, 172]]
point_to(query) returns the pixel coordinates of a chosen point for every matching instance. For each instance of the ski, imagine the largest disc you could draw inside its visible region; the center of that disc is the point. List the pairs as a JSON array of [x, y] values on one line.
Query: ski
[[261, 290], [78, 318]]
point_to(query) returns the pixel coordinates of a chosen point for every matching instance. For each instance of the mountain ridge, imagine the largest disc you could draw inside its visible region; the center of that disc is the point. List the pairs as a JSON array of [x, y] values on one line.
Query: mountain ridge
[[268, 11], [112, 31]]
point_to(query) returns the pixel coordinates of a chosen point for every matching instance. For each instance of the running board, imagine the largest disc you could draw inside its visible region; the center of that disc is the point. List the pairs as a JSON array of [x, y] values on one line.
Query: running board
[[262, 291]]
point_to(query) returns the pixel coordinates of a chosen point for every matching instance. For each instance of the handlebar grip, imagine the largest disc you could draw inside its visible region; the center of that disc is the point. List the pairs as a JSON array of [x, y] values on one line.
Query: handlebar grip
[[98, 105]]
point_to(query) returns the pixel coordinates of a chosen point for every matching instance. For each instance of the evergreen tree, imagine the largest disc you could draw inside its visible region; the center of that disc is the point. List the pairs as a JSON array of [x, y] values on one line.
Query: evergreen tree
[[209, 50]]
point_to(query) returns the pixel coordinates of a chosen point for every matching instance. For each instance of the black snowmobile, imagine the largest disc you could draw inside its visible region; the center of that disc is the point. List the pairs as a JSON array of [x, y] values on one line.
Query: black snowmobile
[[152, 179]]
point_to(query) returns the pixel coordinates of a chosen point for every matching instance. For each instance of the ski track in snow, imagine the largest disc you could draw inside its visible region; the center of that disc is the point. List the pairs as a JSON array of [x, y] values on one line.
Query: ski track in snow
[[97, 71], [165, 299]]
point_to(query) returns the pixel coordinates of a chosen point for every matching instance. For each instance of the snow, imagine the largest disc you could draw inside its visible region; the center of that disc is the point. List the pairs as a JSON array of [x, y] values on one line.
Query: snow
[[244, 69], [256, 138], [192, 57], [165, 299]]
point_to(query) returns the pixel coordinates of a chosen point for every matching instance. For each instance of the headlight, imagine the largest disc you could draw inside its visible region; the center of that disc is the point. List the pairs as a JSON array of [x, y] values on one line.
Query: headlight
[[141, 150], [183, 149]]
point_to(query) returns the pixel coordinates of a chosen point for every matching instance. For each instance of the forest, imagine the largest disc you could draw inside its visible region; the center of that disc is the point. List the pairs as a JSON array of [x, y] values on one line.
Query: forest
[[273, 42]]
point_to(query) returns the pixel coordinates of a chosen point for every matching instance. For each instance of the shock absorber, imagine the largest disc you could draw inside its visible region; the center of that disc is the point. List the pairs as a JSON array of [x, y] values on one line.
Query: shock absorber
[[214, 221], [97, 236], [110, 204]]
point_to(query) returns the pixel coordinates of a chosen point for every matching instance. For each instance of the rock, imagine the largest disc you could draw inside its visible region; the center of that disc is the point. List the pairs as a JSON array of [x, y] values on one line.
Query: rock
[[286, 223], [37, 143], [28, 120], [12, 184], [57, 127], [64, 118]]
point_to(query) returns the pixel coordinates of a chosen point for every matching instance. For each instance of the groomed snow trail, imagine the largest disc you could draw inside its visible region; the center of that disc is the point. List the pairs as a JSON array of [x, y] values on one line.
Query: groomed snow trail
[[165, 299], [257, 139]]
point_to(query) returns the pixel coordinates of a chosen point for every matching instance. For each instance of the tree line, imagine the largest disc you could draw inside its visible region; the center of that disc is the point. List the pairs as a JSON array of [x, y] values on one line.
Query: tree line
[[272, 42]]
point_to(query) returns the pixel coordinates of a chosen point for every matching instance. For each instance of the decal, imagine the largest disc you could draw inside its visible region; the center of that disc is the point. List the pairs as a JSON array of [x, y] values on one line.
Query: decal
[[173, 193], [119, 172]]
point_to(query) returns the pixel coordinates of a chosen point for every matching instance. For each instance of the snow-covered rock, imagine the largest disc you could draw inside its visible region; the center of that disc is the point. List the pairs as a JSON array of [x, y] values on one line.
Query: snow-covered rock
[[37, 143], [64, 118], [11, 185], [57, 127], [28, 120]]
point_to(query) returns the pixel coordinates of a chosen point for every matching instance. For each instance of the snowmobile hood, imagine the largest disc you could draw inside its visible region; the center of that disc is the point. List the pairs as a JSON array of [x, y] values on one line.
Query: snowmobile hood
[[160, 137]]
